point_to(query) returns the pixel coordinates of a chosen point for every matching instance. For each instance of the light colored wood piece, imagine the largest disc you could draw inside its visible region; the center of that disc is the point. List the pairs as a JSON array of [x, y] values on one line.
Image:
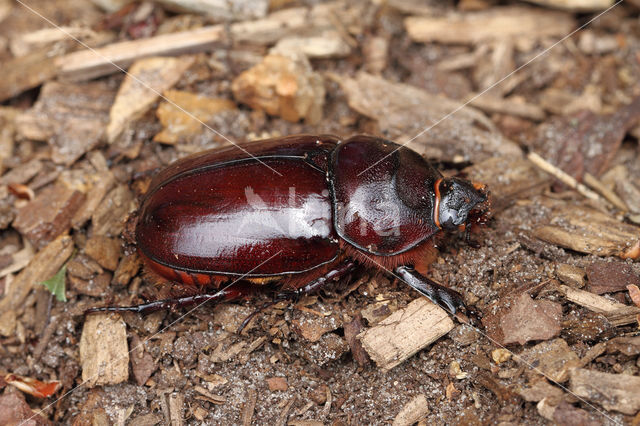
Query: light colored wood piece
[[88, 64], [104, 353], [494, 23], [618, 314], [618, 392], [412, 412], [405, 332]]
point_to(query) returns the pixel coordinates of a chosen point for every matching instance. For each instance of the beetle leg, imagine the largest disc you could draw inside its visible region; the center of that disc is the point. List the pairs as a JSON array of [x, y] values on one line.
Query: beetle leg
[[235, 291], [448, 299], [315, 285]]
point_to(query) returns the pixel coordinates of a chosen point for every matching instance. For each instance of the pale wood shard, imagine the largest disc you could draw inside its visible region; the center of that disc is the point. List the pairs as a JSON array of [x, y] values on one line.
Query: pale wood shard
[[237, 10], [412, 412], [43, 266], [561, 175], [494, 23], [586, 230], [328, 44], [145, 82], [554, 359], [405, 332], [104, 352], [88, 64], [576, 5], [507, 106], [618, 392], [618, 314]]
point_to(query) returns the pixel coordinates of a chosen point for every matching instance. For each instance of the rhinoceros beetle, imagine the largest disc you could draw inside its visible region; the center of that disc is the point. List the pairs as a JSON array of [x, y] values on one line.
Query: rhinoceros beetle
[[300, 210]]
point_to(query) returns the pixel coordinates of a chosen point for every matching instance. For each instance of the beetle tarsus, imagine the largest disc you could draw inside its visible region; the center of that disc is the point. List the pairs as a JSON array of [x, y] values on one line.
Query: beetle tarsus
[[448, 299]]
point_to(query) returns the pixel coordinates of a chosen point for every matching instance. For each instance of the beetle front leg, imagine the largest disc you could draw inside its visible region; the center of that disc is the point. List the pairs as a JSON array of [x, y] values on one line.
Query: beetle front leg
[[448, 299]]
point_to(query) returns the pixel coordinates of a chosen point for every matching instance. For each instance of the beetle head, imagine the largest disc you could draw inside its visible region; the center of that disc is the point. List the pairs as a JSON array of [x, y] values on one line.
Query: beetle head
[[459, 203]]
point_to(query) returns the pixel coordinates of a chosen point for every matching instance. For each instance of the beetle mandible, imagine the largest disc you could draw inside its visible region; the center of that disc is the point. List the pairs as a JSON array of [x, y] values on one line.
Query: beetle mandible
[[302, 210]]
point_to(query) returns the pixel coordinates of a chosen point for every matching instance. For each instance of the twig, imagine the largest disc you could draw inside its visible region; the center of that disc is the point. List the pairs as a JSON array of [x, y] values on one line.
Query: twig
[[562, 176], [611, 196]]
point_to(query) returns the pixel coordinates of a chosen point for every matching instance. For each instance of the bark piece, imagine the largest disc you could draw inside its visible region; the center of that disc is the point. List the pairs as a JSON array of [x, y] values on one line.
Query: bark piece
[[26, 72], [587, 230], [103, 182], [312, 326], [277, 384], [70, 117], [609, 277], [179, 125], [553, 358], [539, 390], [44, 265], [111, 214], [104, 353], [283, 86], [14, 410], [145, 82], [85, 65], [48, 215], [403, 110], [571, 275], [142, 363], [412, 412], [530, 319], [509, 22], [630, 194], [618, 392], [104, 250], [585, 141], [351, 331], [127, 269], [405, 332]]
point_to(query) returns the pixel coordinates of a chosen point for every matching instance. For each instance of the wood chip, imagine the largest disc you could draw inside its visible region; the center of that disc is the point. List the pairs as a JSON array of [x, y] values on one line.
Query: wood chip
[[104, 352], [405, 332], [26, 72], [249, 407], [571, 275], [617, 313], [44, 265], [277, 384], [530, 319], [517, 108], [382, 100], [14, 410], [85, 64], [412, 412], [142, 363], [539, 390], [104, 250], [328, 44], [284, 86], [145, 82], [312, 327], [239, 10], [496, 23], [176, 407], [587, 230], [70, 117], [618, 392], [110, 216], [103, 182], [553, 358], [609, 277], [177, 124], [351, 331]]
